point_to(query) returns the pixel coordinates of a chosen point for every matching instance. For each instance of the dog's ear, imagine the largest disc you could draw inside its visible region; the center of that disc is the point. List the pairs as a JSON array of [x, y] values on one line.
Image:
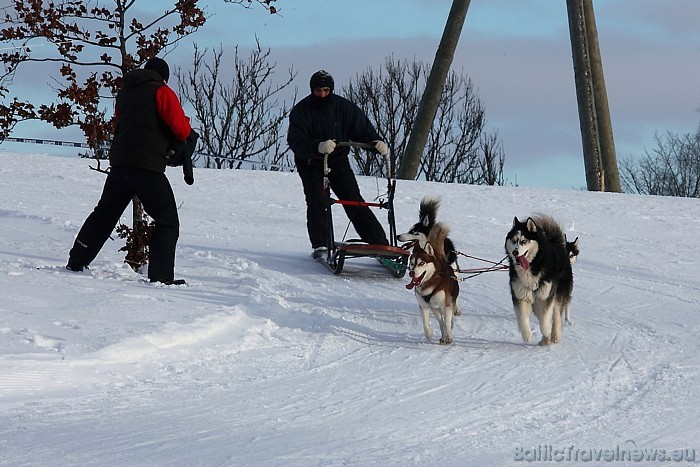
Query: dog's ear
[[531, 226], [425, 221], [515, 221], [429, 249]]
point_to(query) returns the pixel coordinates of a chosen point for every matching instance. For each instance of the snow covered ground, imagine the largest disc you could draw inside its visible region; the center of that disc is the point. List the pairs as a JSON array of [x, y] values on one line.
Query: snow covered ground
[[266, 358]]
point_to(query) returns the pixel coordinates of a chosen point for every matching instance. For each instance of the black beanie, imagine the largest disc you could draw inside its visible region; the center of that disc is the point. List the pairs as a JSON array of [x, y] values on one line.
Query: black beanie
[[160, 66], [321, 79]]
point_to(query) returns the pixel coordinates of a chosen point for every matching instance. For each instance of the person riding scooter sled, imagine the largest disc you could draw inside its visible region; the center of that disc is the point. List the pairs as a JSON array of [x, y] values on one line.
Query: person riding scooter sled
[[316, 124]]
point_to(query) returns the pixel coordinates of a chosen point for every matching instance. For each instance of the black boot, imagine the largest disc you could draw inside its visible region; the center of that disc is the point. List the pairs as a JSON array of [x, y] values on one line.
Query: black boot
[[75, 266], [171, 282]]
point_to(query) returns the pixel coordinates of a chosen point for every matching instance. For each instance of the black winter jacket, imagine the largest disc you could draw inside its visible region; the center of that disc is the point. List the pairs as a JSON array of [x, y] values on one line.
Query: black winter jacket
[[314, 119], [141, 138]]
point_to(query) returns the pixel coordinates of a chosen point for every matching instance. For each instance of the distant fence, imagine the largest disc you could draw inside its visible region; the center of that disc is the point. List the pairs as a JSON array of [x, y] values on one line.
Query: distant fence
[[71, 144]]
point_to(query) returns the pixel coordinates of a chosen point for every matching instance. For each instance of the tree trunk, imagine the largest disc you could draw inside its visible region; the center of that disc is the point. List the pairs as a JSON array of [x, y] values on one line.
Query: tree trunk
[[610, 178], [138, 224], [433, 90], [584, 95]]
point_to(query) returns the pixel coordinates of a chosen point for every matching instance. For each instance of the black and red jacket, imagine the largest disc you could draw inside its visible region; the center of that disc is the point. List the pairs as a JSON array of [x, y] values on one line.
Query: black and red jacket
[[149, 119]]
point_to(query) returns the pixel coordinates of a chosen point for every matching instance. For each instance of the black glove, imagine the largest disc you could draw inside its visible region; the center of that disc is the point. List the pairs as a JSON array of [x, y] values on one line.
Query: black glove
[[191, 144], [179, 151], [174, 156]]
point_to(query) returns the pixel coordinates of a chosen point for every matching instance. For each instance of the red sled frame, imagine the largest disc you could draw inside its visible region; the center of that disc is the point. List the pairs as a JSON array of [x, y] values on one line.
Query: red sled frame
[[392, 256]]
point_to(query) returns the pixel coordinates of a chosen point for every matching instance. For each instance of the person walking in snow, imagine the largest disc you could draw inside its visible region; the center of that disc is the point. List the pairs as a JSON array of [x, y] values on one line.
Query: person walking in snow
[[316, 123], [149, 121]]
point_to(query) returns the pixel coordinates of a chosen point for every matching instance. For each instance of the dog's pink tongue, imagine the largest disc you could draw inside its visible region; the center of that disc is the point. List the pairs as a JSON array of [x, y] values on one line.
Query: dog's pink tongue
[[523, 262], [415, 281]]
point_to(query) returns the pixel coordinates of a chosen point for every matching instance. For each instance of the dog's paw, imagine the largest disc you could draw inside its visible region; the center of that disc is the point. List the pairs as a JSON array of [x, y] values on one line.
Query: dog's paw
[[527, 334], [445, 340], [545, 341]]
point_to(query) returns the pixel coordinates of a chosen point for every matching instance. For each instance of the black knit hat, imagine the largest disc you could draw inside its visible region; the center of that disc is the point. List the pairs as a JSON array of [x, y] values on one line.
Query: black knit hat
[[160, 66], [321, 79]]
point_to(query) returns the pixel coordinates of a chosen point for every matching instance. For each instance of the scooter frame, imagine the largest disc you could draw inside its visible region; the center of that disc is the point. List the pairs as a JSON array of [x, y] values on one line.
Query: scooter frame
[[392, 256]]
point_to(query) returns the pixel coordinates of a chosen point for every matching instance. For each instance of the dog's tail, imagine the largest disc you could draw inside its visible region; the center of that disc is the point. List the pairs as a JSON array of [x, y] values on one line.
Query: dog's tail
[[437, 237], [550, 229], [427, 212]]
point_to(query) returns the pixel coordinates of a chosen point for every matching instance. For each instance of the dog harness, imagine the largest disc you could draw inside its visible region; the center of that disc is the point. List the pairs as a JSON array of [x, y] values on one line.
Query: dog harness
[[428, 297]]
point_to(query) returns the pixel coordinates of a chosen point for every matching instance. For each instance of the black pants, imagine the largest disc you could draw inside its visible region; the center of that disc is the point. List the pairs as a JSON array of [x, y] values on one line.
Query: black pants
[[344, 185], [156, 195]]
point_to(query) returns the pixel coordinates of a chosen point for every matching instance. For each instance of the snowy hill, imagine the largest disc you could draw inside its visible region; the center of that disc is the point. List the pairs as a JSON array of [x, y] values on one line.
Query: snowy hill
[[265, 358]]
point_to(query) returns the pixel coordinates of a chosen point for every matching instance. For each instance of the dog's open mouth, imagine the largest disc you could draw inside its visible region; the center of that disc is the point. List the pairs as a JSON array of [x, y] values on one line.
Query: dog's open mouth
[[523, 262], [415, 281]]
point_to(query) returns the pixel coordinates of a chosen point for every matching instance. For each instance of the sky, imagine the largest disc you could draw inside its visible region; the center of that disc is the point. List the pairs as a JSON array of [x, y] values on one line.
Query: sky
[[517, 53], [267, 358]]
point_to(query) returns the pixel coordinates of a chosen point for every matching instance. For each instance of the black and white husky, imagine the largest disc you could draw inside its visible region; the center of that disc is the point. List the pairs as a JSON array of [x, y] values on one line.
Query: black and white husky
[[540, 275], [419, 232], [573, 250]]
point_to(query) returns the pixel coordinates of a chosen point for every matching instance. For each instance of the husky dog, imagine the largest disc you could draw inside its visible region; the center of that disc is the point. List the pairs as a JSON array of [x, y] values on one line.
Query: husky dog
[[427, 213], [540, 275], [573, 250], [435, 286]]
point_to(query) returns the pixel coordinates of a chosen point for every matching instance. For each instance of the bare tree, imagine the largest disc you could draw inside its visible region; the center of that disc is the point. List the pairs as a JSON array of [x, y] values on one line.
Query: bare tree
[[671, 168], [451, 152], [491, 163], [389, 97], [457, 150], [241, 120]]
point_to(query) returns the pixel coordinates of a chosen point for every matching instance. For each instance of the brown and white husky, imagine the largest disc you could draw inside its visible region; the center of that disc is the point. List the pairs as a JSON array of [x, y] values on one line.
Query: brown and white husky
[[418, 233], [434, 283]]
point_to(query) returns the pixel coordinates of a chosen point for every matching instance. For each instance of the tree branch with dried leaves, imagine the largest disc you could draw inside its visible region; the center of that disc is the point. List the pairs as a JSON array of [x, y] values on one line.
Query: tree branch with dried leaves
[[86, 37]]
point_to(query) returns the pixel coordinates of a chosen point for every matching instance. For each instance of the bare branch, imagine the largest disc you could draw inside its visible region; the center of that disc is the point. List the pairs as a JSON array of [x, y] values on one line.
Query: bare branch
[[456, 150], [240, 121], [670, 168]]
